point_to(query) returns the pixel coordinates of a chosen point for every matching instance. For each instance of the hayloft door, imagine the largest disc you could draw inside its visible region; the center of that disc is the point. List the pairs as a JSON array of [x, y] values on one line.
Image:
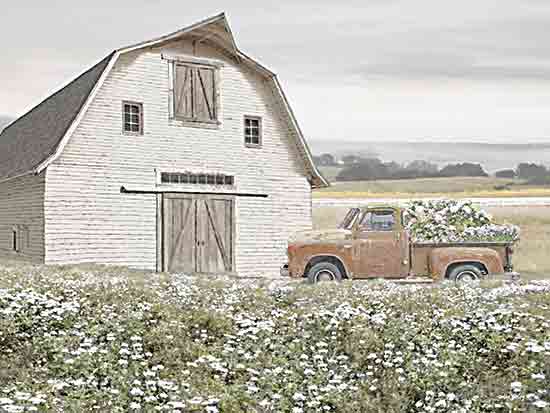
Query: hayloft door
[[198, 234]]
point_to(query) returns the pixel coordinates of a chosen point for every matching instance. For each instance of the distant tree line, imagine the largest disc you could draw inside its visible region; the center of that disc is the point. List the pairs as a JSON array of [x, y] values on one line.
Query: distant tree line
[[531, 173], [357, 168], [366, 169]]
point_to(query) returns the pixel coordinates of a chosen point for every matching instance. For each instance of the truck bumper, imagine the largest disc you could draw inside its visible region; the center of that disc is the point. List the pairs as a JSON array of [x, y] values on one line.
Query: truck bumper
[[284, 271]]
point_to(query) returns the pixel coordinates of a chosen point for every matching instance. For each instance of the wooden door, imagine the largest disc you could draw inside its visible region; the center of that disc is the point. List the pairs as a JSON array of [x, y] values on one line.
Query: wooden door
[[214, 235], [198, 234], [180, 235]]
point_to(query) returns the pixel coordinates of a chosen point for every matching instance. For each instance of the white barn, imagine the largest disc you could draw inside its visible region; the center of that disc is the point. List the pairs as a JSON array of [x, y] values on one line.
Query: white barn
[[177, 154]]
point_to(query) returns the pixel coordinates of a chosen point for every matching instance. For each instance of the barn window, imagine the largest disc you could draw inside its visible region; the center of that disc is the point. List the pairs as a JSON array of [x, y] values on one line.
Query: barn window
[[132, 118], [200, 179], [253, 131], [194, 92]]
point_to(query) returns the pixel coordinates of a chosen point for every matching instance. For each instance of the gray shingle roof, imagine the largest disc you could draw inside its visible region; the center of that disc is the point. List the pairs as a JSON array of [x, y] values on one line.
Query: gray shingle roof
[[32, 138]]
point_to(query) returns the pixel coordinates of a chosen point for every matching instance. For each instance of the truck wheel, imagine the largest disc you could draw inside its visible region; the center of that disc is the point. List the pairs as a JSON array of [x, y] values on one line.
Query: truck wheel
[[324, 271], [465, 273]]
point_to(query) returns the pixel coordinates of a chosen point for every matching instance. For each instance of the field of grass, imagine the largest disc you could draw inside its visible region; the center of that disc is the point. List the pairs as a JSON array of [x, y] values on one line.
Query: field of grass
[[430, 187], [531, 257], [79, 339]]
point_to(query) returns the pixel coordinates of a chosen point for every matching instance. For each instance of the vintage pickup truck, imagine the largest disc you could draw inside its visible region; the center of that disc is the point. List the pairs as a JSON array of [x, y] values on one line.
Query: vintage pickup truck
[[372, 242]]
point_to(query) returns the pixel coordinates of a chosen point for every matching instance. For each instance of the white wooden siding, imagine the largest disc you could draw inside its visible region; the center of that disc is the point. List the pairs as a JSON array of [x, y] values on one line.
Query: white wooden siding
[[22, 208], [89, 220]]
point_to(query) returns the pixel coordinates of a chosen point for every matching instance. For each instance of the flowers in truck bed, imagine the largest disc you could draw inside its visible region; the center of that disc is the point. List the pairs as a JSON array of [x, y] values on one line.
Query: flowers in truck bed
[[454, 221]]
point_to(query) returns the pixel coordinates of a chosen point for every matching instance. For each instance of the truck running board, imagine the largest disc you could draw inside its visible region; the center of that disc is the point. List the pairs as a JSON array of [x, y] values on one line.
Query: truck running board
[[413, 280]]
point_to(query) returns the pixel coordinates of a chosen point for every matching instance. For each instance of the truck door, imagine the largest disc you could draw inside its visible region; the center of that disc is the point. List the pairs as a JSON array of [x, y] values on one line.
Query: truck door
[[380, 245]]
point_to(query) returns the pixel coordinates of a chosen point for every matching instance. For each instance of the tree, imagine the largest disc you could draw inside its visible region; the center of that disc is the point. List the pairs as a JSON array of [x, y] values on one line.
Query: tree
[[421, 169], [327, 159], [351, 159], [506, 173], [531, 170], [463, 169], [365, 170]]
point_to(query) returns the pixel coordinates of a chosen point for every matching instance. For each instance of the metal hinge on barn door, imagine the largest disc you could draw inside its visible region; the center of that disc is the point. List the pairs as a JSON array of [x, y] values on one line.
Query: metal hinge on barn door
[[198, 234]]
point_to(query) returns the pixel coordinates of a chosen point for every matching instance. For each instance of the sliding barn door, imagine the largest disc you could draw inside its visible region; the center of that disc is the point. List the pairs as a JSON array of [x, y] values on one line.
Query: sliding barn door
[[180, 231], [198, 234], [215, 232]]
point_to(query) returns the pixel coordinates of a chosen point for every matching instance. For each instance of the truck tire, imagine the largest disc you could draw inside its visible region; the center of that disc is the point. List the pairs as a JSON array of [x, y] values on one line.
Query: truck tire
[[324, 271], [465, 273]]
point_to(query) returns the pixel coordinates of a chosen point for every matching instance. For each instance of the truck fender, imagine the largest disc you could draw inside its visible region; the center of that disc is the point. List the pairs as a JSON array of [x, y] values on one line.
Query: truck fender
[[314, 259], [442, 258]]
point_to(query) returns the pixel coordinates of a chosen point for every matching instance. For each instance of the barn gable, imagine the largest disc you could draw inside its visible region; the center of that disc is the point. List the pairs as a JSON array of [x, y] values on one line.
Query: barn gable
[[38, 138]]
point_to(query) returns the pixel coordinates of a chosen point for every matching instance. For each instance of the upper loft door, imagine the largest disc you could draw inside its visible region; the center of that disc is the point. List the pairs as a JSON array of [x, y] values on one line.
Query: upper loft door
[[198, 234]]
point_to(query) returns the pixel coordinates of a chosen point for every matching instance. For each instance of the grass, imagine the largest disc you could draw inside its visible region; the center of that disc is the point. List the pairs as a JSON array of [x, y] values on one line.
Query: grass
[[76, 339], [430, 187], [531, 257]]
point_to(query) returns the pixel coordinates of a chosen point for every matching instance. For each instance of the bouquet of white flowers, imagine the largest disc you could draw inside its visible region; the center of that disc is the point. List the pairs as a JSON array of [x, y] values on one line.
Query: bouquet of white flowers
[[454, 221]]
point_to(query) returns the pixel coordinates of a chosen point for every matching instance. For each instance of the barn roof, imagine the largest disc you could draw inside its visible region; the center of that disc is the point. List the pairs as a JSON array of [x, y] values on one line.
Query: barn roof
[[29, 140], [32, 142]]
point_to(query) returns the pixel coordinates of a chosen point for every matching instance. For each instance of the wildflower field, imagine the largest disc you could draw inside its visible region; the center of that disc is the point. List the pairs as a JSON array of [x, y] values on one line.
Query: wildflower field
[[111, 340]]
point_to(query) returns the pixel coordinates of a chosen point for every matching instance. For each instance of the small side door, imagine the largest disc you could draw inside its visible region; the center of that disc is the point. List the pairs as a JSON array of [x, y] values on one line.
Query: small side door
[[381, 245]]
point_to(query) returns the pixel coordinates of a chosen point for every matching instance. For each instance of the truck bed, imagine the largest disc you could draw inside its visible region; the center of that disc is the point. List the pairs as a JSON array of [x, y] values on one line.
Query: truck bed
[[421, 254]]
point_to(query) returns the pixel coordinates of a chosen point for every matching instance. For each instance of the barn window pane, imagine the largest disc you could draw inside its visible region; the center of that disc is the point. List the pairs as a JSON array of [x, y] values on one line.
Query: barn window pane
[[252, 131], [194, 179], [132, 118]]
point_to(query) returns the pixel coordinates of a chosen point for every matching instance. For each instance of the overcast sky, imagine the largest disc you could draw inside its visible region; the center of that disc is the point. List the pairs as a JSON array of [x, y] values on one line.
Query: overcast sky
[[468, 70]]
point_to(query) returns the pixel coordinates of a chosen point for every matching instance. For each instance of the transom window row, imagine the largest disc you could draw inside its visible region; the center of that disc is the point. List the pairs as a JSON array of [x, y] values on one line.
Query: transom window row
[[194, 178]]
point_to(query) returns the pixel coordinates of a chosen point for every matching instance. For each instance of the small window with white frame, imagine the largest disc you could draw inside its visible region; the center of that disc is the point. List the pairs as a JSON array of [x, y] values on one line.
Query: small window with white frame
[[253, 131], [132, 114]]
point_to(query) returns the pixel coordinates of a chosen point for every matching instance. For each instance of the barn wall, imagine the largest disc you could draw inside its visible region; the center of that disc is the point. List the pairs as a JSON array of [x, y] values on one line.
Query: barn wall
[[89, 220], [22, 209]]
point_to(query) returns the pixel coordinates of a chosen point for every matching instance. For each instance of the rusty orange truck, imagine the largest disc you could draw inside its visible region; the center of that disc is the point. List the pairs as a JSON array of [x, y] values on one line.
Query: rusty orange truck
[[372, 242]]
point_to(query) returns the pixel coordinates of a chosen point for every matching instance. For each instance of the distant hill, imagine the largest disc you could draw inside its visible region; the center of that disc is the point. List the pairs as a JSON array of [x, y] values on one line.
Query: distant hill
[[492, 156], [4, 120]]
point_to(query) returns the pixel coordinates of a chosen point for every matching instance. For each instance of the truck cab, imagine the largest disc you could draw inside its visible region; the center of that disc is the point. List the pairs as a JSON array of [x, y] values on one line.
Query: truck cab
[[379, 242]]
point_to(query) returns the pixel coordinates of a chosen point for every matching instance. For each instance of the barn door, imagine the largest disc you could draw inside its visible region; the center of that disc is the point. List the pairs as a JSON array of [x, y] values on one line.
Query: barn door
[[198, 235], [215, 235], [180, 235]]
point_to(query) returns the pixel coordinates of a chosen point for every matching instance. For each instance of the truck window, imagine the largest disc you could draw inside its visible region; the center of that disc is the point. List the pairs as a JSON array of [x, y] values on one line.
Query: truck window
[[350, 219], [378, 221]]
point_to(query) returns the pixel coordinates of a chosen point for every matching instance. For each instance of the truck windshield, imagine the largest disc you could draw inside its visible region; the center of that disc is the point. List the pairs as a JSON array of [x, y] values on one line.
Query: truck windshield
[[350, 219]]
